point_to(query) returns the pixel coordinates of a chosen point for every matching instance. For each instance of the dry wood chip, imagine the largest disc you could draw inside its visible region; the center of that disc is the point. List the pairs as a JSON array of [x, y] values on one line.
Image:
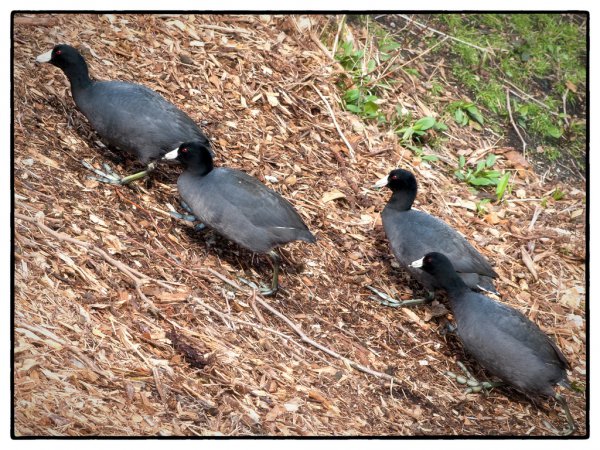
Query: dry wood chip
[[529, 262], [332, 195]]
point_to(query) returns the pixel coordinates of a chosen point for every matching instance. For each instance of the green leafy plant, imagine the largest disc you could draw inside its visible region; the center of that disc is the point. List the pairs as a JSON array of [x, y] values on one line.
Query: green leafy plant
[[502, 185], [419, 128], [361, 98], [481, 206], [482, 175], [420, 153], [557, 194], [464, 112]]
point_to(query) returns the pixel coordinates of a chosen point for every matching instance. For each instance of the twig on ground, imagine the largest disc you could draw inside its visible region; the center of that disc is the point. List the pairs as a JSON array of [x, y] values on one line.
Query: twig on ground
[[229, 318], [303, 337], [337, 127], [525, 96], [420, 55], [420, 25], [36, 21], [512, 120], [337, 35]]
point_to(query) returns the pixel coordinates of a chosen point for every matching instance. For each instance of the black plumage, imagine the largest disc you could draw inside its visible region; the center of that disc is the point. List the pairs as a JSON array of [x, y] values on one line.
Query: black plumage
[[414, 233], [500, 338], [128, 116], [237, 205]]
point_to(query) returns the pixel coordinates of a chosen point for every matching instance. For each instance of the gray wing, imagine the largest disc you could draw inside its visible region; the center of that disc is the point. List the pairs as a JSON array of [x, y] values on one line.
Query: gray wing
[[243, 209], [507, 343], [136, 119], [412, 234]]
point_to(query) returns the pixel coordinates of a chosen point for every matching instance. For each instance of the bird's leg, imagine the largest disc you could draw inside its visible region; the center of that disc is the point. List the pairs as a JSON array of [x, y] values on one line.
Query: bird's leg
[[111, 177], [572, 427], [188, 217], [136, 176], [392, 302], [448, 328], [473, 384], [274, 283]]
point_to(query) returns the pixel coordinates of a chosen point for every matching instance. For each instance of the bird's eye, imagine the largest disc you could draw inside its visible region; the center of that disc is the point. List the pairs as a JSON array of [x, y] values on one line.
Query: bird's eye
[[184, 150], [57, 52], [394, 177]]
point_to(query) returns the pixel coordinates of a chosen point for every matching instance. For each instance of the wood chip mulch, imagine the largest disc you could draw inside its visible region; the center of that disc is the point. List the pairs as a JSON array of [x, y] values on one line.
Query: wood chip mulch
[[127, 322]]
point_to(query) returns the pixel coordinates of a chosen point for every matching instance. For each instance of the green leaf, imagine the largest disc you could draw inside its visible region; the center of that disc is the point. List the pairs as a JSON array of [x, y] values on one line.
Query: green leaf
[[501, 186], [491, 174], [480, 166], [408, 132], [459, 117], [461, 162], [371, 65], [424, 123], [371, 107], [352, 108], [554, 131], [352, 95], [439, 126], [474, 114], [557, 194], [490, 160], [429, 158], [481, 181]]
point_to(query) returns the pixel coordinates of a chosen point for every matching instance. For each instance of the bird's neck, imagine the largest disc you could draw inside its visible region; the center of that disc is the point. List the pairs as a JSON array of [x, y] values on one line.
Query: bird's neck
[[401, 200], [201, 169], [78, 76], [454, 286]]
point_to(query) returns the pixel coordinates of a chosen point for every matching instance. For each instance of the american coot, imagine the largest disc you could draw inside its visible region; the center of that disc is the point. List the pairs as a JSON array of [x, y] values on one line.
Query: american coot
[[237, 205], [414, 233], [501, 339], [128, 116]]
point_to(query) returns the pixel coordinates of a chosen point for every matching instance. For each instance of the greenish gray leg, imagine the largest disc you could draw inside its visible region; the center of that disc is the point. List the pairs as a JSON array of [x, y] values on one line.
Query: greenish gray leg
[[571, 427], [386, 300], [274, 283], [473, 384], [111, 177]]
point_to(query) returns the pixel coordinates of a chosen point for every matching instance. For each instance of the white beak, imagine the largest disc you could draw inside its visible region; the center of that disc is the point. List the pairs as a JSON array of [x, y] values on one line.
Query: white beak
[[44, 57], [381, 183], [172, 154], [417, 264]]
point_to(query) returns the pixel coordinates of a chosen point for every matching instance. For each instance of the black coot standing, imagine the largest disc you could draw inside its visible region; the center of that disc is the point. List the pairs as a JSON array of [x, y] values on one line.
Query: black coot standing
[[237, 205], [501, 339], [128, 116], [414, 233]]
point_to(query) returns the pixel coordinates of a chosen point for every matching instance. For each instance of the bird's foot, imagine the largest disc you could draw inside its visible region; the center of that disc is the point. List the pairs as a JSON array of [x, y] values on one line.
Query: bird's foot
[[110, 176], [187, 217], [474, 385], [264, 290], [386, 300]]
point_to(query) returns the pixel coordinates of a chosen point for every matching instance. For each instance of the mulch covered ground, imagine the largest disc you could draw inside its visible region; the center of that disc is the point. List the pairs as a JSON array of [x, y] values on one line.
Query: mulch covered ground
[[127, 322]]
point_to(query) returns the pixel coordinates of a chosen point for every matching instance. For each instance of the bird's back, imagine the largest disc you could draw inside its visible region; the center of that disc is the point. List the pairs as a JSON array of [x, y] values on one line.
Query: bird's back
[[412, 234], [135, 118], [508, 344], [242, 209]]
